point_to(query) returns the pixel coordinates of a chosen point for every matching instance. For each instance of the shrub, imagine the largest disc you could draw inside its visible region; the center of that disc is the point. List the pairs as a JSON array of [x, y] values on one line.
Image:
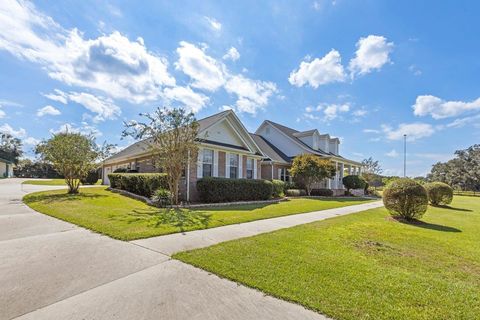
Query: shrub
[[365, 188], [405, 198], [228, 190], [278, 188], [439, 193], [120, 170], [143, 184], [353, 182], [91, 178], [322, 192], [162, 197], [295, 193]]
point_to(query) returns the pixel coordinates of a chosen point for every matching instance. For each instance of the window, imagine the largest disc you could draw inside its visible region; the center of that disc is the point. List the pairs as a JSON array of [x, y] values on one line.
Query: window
[[249, 168], [284, 174], [233, 166], [207, 162]]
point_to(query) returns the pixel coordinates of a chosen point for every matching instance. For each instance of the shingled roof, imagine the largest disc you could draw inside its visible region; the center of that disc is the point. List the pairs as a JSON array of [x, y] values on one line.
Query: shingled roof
[[268, 149]]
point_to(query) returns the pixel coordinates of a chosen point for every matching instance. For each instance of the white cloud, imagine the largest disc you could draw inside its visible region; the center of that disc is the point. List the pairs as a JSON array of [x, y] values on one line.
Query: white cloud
[[214, 24], [103, 107], [110, 63], [30, 141], [439, 109], [372, 53], [414, 131], [2, 114], [371, 131], [20, 133], [392, 154], [48, 110], [84, 128], [252, 94], [205, 71], [333, 110], [185, 95], [461, 122], [360, 113], [232, 54], [58, 96], [415, 70], [319, 71]]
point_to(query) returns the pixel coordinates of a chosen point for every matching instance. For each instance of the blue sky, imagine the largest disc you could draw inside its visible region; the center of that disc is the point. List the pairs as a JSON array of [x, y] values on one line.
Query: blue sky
[[365, 71]]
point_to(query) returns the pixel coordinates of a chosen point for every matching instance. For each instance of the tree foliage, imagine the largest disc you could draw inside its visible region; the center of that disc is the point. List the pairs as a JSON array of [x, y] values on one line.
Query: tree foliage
[[27, 168], [10, 147], [439, 193], [308, 169], [461, 172], [171, 138], [73, 155], [405, 198], [353, 182]]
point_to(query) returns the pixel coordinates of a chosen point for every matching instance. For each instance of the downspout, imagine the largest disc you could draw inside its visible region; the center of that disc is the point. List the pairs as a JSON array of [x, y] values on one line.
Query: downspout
[[272, 169]]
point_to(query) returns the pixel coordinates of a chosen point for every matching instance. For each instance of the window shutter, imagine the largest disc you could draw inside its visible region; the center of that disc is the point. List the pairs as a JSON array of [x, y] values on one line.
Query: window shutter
[[255, 169], [215, 163], [199, 163], [227, 165], [240, 166]]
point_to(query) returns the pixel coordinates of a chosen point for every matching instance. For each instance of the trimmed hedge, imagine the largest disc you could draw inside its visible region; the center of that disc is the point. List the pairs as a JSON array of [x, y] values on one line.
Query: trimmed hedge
[[143, 184], [278, 188], [439, 193], [322, 192], [295, 193], [405, 198], [212, 189]]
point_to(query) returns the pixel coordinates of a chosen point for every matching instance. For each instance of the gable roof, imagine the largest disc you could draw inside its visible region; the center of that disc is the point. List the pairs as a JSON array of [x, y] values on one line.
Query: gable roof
[[269, 150]]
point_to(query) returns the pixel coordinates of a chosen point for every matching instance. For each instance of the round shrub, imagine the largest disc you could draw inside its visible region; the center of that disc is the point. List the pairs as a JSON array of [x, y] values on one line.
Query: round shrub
[[353, 182], [295, 192], [321, 192], [439, 193], [91, 178], [405, 198], [278, 188]]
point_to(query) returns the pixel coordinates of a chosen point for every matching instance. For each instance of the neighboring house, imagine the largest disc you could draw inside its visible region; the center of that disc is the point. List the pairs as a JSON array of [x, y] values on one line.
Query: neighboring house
[[227, 149], [281, 144], [6, 167]]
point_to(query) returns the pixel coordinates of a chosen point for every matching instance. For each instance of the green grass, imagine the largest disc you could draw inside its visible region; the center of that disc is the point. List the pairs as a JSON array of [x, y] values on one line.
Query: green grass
[[364, 265], [51, 182], [124, 218]]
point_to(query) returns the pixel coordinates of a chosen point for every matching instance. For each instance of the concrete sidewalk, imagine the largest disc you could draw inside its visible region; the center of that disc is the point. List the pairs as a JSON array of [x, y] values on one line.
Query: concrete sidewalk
[[177, 242], [50, 269]]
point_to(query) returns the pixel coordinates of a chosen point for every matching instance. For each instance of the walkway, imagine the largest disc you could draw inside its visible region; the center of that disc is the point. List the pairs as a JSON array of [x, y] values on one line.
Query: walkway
[[50, 269]]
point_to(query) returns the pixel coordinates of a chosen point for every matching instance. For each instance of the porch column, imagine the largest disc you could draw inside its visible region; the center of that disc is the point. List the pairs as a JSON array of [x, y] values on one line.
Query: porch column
[[335, 184], [342, 170]]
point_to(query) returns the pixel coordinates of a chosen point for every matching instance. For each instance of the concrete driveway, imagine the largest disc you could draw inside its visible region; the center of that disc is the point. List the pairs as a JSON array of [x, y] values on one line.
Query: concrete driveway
[[51, 269]]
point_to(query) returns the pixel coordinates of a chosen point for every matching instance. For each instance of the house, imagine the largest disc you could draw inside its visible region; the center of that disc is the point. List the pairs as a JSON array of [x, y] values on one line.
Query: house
[[281, 144], [227, 149], [6, 165]]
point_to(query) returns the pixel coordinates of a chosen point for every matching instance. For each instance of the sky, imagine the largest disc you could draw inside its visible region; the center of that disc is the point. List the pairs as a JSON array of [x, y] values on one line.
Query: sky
[[367, 72]]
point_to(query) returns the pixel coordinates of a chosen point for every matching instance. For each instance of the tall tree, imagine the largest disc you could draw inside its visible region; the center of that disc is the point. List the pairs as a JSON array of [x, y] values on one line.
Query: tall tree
[[308, 169], [371, 172], [10, 147], [171, 137], [73, 155]]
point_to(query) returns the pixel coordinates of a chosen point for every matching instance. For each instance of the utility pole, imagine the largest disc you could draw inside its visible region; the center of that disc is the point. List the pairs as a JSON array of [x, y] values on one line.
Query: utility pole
[[404, 155]]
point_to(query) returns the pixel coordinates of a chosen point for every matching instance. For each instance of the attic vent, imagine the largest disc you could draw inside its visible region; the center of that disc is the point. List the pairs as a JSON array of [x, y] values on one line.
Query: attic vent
[[267, 130]]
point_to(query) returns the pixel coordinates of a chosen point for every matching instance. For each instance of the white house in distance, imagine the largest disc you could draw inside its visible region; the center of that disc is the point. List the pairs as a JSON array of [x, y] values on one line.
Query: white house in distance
[[6, 168], [227, 149]]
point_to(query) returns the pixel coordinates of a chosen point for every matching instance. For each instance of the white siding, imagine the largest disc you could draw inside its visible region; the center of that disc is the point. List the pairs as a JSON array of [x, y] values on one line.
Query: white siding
[[282, 142], [222, 132], [215, 163]]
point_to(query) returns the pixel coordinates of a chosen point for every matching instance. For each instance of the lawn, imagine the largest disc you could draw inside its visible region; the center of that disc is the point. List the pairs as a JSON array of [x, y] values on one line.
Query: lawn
[[50, 182], [124, 218], [364, 265]]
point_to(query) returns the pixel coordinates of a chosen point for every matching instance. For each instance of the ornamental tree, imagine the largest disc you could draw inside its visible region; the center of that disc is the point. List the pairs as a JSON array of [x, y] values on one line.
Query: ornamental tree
[[73, 155], [170, 135], [308, 169], [353, 182]]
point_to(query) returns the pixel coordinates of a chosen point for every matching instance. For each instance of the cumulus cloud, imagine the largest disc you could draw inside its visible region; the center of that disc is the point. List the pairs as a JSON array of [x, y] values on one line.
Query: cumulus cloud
[[232, 54], [2, 114], [205, 71], [438, 108], [30, 141], [373, 52], [58, 96], [319, 71], [392, 154], [414, 131], [50, 110], [252, 94], [187, 97], [110, 63], [329, 111], [214, 24], [20, 133]]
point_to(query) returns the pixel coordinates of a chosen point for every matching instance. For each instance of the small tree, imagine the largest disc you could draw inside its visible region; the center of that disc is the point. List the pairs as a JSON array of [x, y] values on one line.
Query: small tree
[[308, 169], [353, 182], [73, 155], [170, 135], [10, 147]]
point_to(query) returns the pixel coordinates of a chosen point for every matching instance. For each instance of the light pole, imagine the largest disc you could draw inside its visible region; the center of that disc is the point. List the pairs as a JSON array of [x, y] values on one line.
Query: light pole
[[404, 155]]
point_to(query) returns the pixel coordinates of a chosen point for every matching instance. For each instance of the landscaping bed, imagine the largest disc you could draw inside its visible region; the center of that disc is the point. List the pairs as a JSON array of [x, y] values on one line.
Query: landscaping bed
[[364, 265], [125, 218]]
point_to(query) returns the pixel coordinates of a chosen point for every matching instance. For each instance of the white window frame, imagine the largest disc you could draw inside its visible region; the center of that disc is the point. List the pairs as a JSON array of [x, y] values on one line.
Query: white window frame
[[251, 169], [237, 167], [203, 162]]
